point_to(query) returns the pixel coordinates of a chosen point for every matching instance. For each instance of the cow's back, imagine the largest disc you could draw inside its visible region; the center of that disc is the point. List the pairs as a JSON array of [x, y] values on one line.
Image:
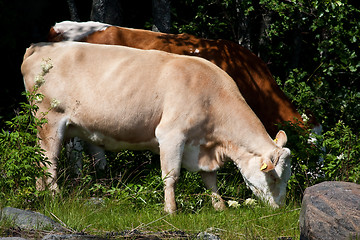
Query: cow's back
[[91, 83]]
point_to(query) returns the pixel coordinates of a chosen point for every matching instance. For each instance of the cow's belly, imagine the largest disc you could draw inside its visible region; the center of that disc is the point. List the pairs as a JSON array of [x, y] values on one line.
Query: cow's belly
[[110, 143]]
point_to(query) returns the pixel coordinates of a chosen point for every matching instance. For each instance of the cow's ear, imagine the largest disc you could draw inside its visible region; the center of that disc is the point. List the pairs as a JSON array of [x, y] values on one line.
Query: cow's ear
[[267, 166], [280, 138]]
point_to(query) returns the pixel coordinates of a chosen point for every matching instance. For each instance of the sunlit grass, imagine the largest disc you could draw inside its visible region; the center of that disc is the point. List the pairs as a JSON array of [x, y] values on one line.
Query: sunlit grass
[[99, 218], [132, 199]]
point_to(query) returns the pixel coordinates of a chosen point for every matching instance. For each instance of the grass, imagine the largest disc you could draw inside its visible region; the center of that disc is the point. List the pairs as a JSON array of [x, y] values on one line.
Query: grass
[[131, 200], [105, 216], [109, 215]]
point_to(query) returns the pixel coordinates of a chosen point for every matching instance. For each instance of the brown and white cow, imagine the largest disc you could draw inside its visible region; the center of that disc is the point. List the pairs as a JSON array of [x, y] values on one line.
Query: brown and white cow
[[250, 73], [184, 108]]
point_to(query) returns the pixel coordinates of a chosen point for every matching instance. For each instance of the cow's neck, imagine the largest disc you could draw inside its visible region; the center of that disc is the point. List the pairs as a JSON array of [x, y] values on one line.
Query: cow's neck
[[241, 155], [243, 136]]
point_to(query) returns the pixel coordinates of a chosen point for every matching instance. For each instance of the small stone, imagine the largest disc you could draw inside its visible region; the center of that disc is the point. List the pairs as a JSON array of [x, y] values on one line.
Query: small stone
[[207, 236]]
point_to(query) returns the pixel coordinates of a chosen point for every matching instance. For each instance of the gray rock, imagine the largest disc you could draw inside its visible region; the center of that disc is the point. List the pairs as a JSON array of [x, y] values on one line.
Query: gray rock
[[29, 220], [12, 238], [95, 201], [71, 237], [207, 236], [331, 210]]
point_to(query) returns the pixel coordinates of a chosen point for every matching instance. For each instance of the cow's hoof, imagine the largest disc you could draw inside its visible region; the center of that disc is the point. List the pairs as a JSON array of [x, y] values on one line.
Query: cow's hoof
[[219, 205], [170, 209]]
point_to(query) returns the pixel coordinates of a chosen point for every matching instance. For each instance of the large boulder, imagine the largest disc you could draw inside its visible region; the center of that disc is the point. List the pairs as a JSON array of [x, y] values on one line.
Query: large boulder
[[331, 210]]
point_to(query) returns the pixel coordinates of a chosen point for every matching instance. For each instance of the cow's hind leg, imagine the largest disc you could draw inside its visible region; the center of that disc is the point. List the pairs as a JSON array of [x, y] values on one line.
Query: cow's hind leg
[[209, 179], [51, 137], [98, 156], [74, 149]]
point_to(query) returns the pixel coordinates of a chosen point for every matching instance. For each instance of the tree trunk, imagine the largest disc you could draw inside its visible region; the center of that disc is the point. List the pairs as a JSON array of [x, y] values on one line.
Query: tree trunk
[[161, 15], [297, 41], [73, 11], [106, 11], [245, 39], [244, 29], [297, 44], [266, 18]]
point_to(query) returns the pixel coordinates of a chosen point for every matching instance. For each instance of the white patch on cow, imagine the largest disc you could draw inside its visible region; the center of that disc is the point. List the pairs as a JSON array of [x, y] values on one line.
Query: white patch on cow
[[190, 160], [196, 51], [75, 31]]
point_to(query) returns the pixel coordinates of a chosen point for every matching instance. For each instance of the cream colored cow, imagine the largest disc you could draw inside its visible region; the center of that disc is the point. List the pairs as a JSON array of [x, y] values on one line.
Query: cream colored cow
[[184, 108]]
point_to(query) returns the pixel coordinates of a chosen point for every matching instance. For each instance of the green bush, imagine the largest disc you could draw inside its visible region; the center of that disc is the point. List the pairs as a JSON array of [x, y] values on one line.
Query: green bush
[[21, 158], [22, 161], [342, 158]]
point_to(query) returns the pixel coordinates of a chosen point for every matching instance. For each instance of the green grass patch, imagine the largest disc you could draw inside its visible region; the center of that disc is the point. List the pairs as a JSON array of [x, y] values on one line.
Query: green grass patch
[[102, 216], [133, 200]]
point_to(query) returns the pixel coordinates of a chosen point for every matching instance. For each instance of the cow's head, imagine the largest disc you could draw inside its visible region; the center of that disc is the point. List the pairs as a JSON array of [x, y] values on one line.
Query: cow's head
[[267, 176]]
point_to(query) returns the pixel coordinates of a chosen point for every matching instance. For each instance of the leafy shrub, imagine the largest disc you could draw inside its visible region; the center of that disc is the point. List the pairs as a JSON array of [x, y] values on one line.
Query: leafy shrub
[[21, 158], [341, 162], [305, 161]]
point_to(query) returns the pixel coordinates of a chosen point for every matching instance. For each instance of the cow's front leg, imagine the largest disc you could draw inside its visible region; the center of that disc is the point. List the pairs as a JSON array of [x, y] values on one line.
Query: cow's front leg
[[170, 168], [171, 151], [209, 179], [170, 179]]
